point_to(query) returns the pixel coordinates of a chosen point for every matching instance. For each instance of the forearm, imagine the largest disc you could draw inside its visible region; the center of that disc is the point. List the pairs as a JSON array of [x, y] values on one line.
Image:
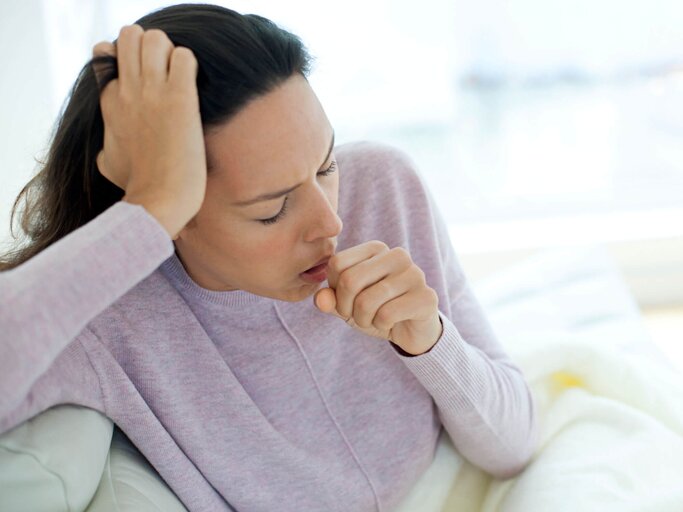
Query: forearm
[[485, 405], [47, 301]]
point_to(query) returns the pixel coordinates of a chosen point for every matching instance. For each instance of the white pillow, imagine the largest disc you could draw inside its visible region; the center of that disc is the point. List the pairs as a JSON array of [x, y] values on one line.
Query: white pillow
[[54, 461], [130, 484]]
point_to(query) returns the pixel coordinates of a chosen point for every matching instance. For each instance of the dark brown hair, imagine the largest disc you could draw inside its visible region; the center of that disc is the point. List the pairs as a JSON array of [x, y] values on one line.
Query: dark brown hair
[[239, 56]]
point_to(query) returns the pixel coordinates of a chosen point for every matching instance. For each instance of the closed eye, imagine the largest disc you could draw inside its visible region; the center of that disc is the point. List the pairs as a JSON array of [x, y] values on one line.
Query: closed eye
[[278, 216], [332, 168], [272, 220]]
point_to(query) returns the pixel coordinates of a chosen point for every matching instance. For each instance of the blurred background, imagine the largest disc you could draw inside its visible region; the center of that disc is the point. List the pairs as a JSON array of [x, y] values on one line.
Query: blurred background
[[535, 123]]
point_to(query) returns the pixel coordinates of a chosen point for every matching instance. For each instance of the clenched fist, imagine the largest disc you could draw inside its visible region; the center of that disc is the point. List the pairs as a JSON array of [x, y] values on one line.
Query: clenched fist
[[382, 293]]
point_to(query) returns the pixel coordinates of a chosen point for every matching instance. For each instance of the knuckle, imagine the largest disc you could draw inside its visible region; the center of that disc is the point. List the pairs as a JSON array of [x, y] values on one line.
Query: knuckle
[[379, 245], [419, 274], [432, 298], [184, 53], [402, 255], [361, 303], [131, 30], [103, 48], [347, 281], [383, 317], [154, 34], [185, 58], [385, 288]]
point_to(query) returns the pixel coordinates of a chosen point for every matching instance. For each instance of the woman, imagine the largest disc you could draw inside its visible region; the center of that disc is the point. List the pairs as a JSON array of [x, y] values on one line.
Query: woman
[[173, 280]]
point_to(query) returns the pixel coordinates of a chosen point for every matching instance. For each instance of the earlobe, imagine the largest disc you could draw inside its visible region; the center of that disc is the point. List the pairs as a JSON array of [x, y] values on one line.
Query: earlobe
[[100, 162]]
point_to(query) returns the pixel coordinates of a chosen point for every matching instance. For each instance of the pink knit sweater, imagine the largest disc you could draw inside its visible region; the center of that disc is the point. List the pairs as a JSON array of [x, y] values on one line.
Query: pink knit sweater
[[245, 402]]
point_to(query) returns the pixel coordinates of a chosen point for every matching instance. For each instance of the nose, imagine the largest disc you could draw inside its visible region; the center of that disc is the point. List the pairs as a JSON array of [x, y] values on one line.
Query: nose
[[323, 221]]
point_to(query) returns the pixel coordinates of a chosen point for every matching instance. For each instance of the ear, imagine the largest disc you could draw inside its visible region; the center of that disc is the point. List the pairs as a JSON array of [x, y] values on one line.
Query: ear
[[103, 170]]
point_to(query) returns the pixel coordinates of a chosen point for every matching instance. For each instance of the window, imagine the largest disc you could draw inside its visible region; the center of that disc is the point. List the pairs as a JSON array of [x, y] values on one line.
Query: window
[[534, 122]]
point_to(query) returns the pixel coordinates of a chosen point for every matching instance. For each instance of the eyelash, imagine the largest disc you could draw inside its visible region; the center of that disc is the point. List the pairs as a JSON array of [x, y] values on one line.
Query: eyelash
[[331, 169]]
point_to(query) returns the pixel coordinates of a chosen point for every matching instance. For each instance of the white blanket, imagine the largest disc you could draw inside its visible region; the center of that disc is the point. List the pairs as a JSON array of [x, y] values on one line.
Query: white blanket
[[612, 439], [611, 410]]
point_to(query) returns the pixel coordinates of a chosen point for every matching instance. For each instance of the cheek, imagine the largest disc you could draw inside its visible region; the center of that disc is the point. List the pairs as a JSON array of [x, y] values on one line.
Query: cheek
[[272, 252], [249, 243]]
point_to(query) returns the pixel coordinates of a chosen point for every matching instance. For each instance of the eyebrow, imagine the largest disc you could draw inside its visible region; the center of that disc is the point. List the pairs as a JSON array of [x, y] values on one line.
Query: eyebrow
[[274, 195]]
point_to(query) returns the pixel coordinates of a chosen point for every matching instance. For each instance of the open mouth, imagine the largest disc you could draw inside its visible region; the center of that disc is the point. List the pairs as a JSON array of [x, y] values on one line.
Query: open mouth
[[316, 269], [317, 273]]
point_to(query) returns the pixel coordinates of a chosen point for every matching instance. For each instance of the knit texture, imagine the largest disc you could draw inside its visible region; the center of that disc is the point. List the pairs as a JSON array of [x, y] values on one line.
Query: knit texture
[[249, 403]]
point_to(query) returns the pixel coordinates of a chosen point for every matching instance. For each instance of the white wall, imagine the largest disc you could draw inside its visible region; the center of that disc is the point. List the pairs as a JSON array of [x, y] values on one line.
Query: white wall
[[25, 100]]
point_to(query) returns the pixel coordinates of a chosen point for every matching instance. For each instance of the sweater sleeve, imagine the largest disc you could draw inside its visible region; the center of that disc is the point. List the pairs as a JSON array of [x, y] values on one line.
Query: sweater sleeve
[[483, 399], [484, 404], [47, 302]]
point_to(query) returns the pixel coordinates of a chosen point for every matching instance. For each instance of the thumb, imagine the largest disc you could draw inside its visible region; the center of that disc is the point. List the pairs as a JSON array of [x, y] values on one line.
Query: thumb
[[326, 301]]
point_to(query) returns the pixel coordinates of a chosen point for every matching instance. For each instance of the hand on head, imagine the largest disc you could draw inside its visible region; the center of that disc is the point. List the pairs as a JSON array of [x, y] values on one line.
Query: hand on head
[[153, 137]]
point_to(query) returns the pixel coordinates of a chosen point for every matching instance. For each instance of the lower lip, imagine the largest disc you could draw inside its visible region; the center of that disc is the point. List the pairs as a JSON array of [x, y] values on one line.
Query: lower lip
[[315, 275]]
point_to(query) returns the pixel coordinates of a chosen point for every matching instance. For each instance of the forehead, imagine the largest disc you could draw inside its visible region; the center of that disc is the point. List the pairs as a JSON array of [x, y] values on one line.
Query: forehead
[[273, 142]]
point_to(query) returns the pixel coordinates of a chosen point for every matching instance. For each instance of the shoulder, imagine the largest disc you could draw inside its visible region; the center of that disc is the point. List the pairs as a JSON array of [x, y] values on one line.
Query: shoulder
[[370, 161], [380, 174], [357, 151], [381, 194], [142, 306]]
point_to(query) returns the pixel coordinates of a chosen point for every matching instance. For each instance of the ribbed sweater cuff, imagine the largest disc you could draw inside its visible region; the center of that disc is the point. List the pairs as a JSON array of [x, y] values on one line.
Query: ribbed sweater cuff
[[451, 371]]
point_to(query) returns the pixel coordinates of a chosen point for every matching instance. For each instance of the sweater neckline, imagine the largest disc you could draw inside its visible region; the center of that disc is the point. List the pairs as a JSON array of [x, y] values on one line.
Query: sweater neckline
[[176, 273]]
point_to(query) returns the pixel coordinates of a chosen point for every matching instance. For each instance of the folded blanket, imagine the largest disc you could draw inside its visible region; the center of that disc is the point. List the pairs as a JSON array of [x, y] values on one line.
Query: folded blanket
[[612, 438]]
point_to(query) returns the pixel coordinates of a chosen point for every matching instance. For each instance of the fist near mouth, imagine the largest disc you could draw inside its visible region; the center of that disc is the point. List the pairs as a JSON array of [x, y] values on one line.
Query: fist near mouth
[[382, 293]]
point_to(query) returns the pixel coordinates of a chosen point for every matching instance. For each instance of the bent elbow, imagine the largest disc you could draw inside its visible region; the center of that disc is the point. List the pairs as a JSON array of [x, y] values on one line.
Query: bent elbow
[[522, 456], [513, 470]]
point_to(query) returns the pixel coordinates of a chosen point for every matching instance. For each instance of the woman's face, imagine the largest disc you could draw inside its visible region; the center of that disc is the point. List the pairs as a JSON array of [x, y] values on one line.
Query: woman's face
[[280, 146]]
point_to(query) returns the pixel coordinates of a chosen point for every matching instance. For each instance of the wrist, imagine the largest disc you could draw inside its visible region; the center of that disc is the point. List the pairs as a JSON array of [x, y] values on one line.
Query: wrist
[[437, 332], [170, 218]]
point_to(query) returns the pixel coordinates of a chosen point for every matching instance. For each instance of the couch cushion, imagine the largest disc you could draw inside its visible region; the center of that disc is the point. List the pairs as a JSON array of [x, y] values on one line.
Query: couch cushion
[[54, 461], [130, 484]]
